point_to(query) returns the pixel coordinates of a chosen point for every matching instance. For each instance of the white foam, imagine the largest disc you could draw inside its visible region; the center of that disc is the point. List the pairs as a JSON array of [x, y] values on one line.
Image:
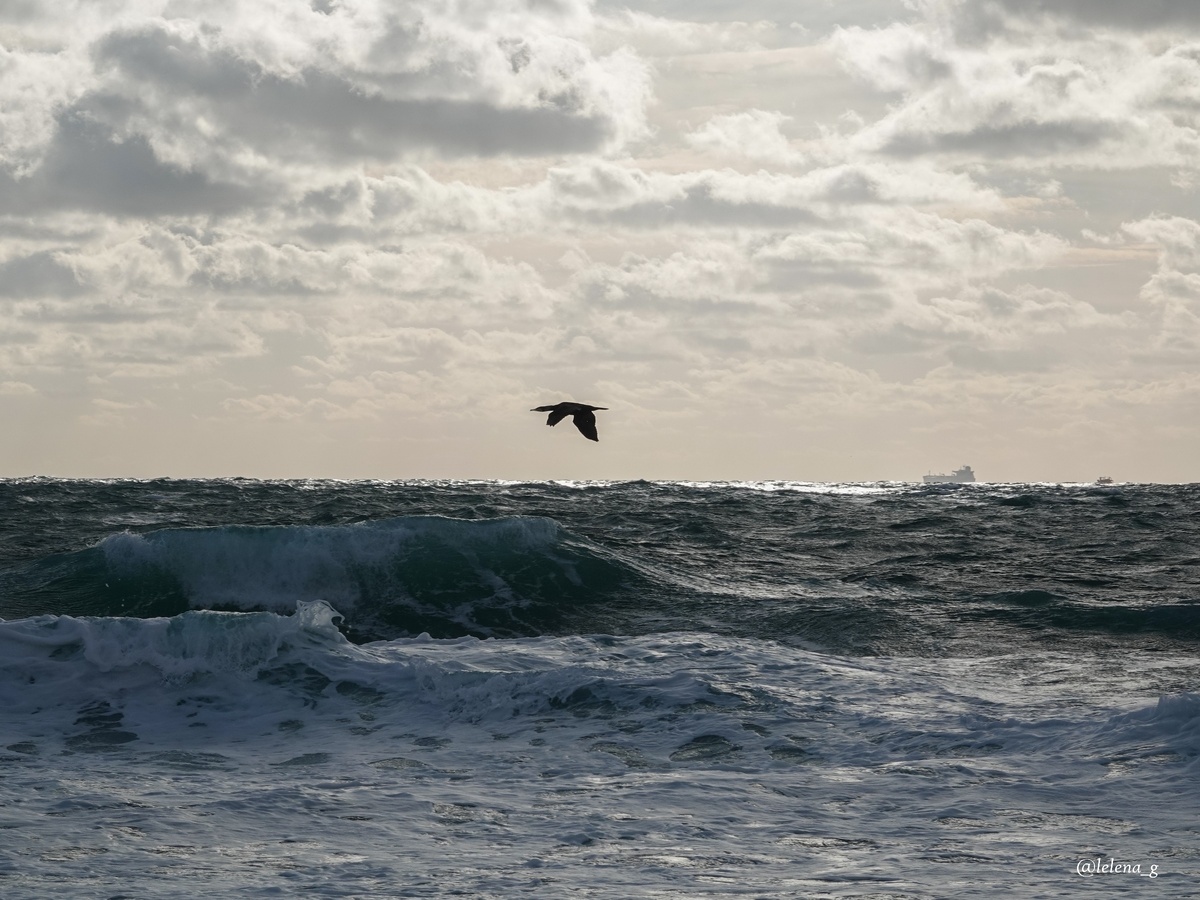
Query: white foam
[[266, 754], [802, 487]]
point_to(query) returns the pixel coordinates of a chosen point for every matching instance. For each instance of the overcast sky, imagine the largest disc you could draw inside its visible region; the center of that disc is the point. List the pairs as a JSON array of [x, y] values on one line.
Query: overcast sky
[[813, 239]]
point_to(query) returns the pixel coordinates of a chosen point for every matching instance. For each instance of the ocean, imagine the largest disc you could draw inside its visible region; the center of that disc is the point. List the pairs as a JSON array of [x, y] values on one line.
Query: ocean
[[239, 688]]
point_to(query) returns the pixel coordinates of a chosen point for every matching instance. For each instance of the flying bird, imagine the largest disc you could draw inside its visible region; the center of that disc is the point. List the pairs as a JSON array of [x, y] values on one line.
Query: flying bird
[[580, 413]]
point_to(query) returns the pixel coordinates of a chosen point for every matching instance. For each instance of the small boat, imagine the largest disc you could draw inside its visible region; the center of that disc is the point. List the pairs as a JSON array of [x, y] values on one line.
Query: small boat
[[961, 475], [1104, 479]]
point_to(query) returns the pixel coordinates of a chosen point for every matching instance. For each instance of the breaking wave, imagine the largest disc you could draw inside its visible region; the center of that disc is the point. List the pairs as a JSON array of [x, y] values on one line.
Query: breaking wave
[[446, 577]]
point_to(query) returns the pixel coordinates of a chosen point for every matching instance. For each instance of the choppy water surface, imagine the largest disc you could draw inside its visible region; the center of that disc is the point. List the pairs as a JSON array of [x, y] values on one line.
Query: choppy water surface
[[609, 690]]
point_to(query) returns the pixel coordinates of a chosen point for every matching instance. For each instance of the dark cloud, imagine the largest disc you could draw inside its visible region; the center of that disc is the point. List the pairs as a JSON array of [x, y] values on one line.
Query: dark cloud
[[318, 113], [979, 22], [982, 359], [1136, 16], [1017, 139], [20, 11], [87, 167], [37, 275], [334, 200], [853, 186]]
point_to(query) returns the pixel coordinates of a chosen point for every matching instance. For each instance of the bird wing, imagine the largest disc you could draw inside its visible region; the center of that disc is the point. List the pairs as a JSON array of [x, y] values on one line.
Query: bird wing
[[585, 421], [558, 412], [581, 413]]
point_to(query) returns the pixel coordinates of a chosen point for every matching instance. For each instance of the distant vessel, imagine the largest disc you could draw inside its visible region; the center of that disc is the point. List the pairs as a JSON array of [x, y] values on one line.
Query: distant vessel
[[960, 475], [1104, 479]]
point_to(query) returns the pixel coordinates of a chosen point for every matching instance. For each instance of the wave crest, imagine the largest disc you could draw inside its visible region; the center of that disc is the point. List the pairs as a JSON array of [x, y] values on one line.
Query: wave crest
[[395, 577], [179, 647]]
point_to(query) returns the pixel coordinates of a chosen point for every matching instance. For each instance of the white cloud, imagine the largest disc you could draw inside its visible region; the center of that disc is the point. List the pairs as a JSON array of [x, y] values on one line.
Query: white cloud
[[36, 85], [1174, 289], [659, 36], [755, 134], [908, 250], [1092, 99], [1177, 240]]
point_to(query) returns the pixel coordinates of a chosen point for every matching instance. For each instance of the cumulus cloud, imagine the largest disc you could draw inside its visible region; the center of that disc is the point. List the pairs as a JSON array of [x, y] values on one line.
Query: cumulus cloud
[[1174, 289], [755, 134], [1092, 99], [157, 108], [1177, 240], [161, 80], [85, 166], [926, 248]]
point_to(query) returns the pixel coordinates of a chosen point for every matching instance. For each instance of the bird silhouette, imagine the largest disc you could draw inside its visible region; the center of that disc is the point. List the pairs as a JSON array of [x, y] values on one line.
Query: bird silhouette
[[580, 413]]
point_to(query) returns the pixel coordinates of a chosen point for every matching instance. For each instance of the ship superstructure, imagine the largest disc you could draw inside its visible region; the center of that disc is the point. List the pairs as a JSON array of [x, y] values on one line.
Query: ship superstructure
[[961, 475]]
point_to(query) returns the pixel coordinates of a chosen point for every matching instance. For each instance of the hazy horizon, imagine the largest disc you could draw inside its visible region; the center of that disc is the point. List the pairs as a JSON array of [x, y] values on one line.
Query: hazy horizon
[[826, 241], [768, 484]]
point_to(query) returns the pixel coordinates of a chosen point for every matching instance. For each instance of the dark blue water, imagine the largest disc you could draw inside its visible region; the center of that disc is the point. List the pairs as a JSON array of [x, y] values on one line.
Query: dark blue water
[[945, 570]]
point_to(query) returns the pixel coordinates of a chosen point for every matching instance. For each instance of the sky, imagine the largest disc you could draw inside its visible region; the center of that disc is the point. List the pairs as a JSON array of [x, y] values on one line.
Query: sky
[[819, 240]]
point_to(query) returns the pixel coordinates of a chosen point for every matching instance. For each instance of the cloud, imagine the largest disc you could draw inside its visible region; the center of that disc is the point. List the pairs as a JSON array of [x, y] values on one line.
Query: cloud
[[154, 109], [773, 263], [636, 199], [35, 86], [1177, 240], [311, 112], [911, 249], [108, 413], [896, 284], [983, 328], [1092, 99], [1143, 16], [659, 36], [87, 167], [117, 307], [40, 274], [598, 193], [754, 134], [1174, 289], [120, 340]]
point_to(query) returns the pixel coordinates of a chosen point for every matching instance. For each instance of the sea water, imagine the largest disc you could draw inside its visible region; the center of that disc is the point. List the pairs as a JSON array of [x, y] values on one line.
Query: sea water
[[421, 689]]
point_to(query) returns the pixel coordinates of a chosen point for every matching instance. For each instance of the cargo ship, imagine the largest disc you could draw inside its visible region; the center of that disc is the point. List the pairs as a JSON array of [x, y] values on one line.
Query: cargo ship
[[961, 475]]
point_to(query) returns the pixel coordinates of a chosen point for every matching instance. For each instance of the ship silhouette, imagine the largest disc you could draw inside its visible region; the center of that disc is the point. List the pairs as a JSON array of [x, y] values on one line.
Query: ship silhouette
[[961, 475]]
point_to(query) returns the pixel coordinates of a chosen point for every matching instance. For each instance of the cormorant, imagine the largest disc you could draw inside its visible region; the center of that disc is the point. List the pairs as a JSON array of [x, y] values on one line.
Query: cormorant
[[580, 413]]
